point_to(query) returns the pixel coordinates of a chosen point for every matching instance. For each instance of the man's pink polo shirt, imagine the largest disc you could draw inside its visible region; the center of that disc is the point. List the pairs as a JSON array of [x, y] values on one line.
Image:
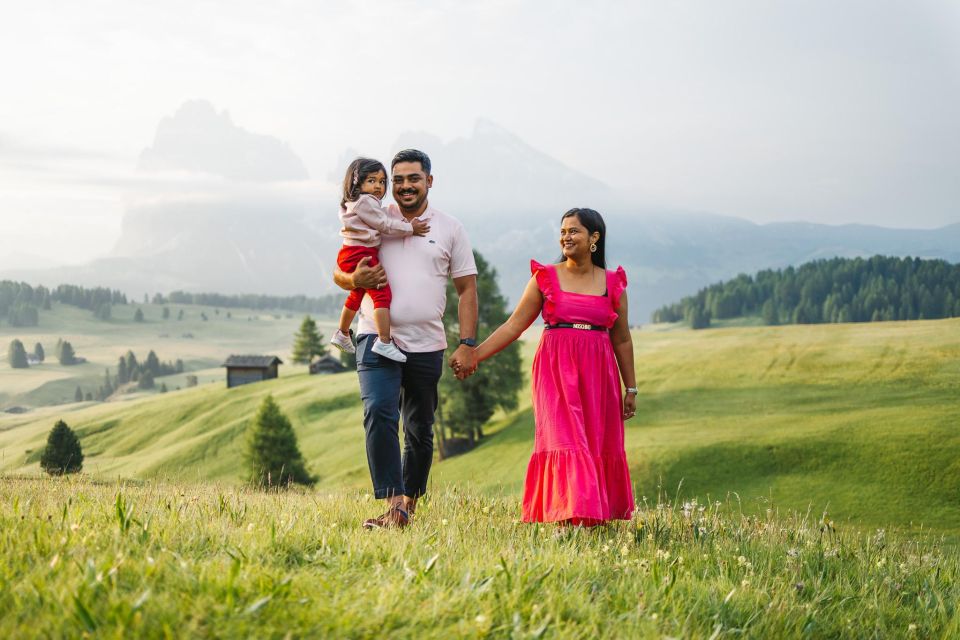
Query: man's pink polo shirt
[[417, 269]]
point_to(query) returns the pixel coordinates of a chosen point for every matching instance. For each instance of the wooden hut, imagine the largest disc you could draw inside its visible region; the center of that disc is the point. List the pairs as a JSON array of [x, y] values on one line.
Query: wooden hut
[[327, 364], [247, 369]]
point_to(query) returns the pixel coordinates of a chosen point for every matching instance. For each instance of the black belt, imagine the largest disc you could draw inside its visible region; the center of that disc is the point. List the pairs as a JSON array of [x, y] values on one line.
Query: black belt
[[575, 325]]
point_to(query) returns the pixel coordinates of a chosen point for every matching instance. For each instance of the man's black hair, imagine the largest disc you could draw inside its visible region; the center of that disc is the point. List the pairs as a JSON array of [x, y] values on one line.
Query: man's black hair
[[412, 155]]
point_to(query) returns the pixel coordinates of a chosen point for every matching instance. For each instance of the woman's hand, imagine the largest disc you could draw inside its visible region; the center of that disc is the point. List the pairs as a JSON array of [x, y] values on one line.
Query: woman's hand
[[629, 405], [420, 227]]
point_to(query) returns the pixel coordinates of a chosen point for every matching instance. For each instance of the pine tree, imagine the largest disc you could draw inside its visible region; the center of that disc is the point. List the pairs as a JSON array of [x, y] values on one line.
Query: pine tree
[[308, 342], [67, 355], [467, 405], [62, 453], [138, 316], [123, 376], [273, 457], [166, 313], [145, 381], [38, 352], [152, 363], [78, 395], [17, 355]]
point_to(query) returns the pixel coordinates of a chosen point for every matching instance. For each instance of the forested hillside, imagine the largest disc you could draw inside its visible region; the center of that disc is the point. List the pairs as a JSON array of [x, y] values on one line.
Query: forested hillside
[[835, 290]]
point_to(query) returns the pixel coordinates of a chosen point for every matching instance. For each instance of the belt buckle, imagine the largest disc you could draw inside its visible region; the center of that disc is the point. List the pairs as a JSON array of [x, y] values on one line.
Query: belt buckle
[[580, 325]]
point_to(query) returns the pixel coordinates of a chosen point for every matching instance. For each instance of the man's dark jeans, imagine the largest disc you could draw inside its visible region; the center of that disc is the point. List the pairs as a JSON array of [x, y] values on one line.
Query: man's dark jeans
[[389, 388]]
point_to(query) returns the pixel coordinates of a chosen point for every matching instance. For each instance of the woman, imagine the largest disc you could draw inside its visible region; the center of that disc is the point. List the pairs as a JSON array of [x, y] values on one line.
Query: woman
[[578, 472]]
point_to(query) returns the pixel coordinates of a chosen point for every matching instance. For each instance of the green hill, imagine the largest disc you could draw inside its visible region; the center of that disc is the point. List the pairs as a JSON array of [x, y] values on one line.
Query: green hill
[[201, 344], [860, 420]]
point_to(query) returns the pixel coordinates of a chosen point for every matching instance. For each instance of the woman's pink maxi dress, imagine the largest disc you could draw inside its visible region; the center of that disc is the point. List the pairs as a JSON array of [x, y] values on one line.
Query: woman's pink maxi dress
[[578, 470]]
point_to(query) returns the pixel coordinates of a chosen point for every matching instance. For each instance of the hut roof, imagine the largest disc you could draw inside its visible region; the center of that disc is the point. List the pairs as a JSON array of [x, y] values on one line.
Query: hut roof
[[252, 361]]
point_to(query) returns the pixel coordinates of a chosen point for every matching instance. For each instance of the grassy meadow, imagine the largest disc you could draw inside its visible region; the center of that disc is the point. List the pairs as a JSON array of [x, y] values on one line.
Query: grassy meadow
[[85, 559], [795, 481], [857, 420], [202, 345]]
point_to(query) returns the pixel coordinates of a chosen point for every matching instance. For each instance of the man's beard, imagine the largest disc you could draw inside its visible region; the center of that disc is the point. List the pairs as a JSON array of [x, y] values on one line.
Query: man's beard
[[409, 207]]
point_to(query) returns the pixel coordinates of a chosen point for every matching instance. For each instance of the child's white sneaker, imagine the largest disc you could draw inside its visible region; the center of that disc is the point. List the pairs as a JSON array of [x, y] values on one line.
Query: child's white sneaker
[[388, 350], [343, 342]]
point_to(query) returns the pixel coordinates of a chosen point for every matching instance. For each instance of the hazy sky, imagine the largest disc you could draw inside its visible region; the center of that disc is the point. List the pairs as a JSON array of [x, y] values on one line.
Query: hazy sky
[[825, 111]]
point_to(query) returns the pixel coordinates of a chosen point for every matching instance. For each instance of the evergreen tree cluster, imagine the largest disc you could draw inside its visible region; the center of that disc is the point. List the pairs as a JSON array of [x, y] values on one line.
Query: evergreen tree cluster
[[20, 303], [329, 304], [98, 299], [465, 406], [65, 354], [835, 290], [17, 356], [129, 369]]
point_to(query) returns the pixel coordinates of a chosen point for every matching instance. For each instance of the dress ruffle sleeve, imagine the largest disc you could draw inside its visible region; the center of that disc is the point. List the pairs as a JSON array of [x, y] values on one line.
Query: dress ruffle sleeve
[[617, 285], [546, 283], [542, 273]]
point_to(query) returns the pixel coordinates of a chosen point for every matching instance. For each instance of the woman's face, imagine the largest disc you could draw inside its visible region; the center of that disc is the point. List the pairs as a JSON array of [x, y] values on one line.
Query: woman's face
[[575, 240]]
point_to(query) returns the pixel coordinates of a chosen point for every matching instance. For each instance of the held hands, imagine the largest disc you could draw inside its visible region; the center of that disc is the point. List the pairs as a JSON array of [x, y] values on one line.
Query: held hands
[[420, 228], [367, 277], [464, 362]]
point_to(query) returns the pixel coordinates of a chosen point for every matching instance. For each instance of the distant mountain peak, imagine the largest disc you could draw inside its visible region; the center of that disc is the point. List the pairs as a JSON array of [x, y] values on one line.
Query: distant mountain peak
[[198, 139]]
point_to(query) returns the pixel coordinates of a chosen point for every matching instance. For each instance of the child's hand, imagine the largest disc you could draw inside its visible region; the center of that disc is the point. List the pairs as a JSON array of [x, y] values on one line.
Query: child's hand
[[420, 228]]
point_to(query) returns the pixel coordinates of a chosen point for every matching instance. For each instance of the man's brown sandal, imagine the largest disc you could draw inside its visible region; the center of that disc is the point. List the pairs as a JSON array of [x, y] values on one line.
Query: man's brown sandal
[[394, 517]]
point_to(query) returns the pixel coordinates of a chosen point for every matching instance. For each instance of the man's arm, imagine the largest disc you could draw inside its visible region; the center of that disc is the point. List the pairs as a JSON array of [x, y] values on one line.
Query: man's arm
[[363, 277], [468, 309]]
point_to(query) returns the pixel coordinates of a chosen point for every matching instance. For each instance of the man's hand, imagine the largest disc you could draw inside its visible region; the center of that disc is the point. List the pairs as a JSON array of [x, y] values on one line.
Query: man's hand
[[463, 362], [366, 277], [420, 228]]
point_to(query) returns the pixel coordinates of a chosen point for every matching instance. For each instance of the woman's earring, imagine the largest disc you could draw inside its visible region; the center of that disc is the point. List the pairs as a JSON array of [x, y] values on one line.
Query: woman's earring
[[593, 248]]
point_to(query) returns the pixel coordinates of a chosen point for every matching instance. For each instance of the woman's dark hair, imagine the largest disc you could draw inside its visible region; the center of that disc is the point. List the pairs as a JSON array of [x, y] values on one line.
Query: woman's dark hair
[[357, 172], [593, 221]]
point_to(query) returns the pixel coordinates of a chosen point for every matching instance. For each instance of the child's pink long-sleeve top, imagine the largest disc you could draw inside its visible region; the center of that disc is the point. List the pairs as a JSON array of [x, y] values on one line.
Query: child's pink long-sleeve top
[[364, 220]]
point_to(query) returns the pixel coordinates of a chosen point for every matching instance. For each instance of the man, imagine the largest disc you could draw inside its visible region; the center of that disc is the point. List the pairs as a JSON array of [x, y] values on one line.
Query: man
[[418, 268]]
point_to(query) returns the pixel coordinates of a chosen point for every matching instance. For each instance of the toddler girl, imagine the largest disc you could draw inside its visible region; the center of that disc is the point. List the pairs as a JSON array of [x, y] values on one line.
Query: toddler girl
[[364, 220]]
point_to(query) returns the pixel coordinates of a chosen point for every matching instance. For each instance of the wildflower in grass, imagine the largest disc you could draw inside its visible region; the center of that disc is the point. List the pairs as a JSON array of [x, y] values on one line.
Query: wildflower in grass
[[911, 628], [444, 522], [793, 553], [663, 554]]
